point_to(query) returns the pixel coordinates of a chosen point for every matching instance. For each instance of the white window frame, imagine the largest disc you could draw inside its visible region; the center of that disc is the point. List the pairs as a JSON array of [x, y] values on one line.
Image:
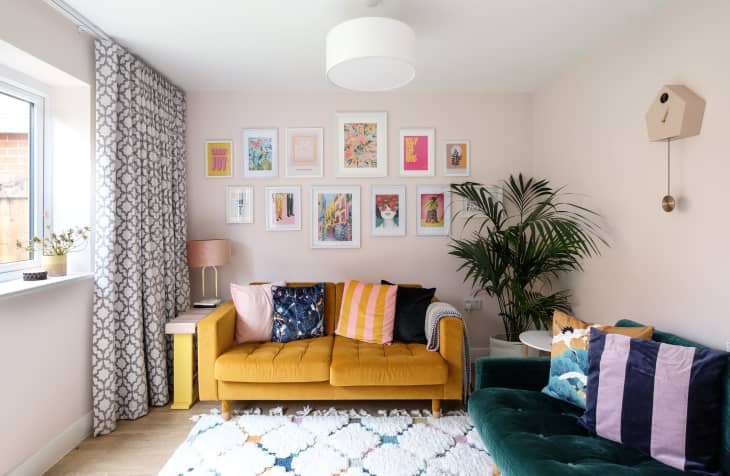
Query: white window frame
[[38, 176]]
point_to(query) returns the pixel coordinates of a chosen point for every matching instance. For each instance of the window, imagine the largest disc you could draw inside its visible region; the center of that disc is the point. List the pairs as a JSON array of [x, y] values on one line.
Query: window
[[21, 175]]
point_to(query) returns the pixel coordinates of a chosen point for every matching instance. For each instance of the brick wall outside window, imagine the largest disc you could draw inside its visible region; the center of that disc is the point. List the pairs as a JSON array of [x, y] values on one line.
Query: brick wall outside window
[[14, 194]]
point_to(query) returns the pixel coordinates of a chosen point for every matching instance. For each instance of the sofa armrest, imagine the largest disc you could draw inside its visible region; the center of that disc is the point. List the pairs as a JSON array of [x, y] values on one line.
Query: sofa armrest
[[451, 348], [215, 336], [526, 373]]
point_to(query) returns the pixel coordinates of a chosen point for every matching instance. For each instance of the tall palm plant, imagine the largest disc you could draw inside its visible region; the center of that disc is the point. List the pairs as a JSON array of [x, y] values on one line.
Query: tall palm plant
[[521, 244]]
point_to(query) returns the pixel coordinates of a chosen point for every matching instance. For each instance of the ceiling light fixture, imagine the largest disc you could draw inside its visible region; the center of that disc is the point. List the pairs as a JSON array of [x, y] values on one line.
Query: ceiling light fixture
[[371, 54]]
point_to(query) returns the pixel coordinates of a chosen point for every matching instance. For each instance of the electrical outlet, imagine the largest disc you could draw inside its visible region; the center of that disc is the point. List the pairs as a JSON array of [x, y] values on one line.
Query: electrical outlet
[[472, 304]]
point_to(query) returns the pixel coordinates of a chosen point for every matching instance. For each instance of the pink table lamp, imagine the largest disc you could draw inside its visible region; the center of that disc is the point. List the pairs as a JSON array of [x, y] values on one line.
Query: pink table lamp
[[208, 253]]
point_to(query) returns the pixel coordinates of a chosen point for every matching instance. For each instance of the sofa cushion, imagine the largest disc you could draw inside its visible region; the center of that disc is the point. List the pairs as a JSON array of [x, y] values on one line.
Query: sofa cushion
[[298, 312], [662, 399], [254, 312], [410, 313], [367, 312], [306, 360], [528, 432], [569, 355], [356, 363]]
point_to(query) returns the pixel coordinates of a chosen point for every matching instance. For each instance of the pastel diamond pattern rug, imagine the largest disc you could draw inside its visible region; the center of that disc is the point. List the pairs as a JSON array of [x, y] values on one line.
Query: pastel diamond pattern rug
[[332, 442]]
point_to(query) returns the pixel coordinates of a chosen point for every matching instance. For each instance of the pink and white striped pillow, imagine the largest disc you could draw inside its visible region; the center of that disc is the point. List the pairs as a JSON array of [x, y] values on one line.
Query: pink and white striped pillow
[[367, 312]]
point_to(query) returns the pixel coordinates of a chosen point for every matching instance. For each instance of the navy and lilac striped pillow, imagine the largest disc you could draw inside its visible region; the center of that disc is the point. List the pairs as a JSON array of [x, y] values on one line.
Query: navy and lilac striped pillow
[[662, 399]]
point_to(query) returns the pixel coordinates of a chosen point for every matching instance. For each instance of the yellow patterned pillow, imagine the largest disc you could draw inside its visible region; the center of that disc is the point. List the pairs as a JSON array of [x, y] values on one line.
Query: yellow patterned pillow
[[569, 355]]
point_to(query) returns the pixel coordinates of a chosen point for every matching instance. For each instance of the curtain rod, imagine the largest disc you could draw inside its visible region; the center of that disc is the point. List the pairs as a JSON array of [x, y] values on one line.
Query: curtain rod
[[83, 24]]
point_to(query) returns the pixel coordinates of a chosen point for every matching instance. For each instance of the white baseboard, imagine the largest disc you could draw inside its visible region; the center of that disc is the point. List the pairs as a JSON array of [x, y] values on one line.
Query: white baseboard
[[57, 448], [476, 352]]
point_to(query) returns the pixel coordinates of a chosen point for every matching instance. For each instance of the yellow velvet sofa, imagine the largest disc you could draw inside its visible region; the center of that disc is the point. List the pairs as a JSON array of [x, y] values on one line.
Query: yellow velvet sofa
[[325, 368]]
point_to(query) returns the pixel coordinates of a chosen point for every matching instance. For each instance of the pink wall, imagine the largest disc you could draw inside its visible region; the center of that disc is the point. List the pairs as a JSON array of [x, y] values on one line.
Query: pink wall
[[500, 130], [46, 356], [665, 269]]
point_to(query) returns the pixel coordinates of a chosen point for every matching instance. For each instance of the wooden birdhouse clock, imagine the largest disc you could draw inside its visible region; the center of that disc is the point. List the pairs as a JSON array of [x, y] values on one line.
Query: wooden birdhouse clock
[[676, 113]]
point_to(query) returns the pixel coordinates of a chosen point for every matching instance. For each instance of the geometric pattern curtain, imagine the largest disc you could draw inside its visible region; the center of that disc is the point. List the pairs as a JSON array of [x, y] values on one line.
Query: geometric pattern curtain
[[141, 277]]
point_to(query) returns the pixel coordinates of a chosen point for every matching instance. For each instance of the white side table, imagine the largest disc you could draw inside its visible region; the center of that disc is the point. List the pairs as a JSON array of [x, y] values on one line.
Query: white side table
[[185, 381], [540, 340]]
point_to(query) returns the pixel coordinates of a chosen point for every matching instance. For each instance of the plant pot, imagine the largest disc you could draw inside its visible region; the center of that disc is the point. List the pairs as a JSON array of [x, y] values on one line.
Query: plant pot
[[55, 265], [499, 346]]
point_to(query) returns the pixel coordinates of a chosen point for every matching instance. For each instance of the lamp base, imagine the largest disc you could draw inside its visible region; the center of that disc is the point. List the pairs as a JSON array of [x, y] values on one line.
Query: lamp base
[[207, 302]]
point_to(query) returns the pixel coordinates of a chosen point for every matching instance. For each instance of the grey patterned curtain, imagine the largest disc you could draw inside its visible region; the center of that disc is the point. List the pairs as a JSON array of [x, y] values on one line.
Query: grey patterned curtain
[[141, 265]]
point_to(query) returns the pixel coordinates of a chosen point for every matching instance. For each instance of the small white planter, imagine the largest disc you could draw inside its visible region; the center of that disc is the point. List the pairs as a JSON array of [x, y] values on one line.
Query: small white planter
[[499, 346]]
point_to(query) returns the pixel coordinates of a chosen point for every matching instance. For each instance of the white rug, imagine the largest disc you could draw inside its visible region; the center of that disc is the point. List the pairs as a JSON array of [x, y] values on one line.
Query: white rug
[[332, 442]]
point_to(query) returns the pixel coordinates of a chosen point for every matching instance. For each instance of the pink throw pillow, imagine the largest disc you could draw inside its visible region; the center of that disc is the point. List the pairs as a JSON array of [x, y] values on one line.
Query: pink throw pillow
[[254, 311]]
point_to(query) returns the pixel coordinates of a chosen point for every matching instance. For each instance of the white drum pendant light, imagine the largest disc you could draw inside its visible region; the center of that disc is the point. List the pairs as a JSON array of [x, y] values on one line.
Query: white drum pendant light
[[371, 54]]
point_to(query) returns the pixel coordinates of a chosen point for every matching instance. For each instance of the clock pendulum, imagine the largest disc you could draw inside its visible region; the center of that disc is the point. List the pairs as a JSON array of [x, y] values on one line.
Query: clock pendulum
[[668, 202]]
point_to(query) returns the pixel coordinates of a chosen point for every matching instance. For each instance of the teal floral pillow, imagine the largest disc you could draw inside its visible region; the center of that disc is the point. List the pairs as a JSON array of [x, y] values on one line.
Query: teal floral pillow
[[298, 312]]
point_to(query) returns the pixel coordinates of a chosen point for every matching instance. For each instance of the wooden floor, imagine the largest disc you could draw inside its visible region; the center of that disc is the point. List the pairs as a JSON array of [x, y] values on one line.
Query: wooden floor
[[142, 447]]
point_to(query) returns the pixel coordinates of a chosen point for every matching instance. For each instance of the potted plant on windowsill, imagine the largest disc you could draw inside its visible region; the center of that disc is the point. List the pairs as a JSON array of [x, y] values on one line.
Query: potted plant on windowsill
[[56, 247], [519, 246]]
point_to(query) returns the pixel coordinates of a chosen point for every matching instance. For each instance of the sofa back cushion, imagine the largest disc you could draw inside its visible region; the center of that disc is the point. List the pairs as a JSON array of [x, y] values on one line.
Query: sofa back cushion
[[367, 312], [668, 338]]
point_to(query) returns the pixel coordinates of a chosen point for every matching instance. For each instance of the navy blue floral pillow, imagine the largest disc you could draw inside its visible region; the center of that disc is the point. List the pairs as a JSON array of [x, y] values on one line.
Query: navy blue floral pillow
[[298, 312]]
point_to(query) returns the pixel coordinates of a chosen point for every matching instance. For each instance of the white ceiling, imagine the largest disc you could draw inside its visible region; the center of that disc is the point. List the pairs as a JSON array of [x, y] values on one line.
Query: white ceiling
[[461, 45]]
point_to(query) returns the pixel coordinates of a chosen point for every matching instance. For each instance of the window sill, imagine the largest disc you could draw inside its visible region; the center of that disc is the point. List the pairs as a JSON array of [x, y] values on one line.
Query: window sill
[[18, 286]]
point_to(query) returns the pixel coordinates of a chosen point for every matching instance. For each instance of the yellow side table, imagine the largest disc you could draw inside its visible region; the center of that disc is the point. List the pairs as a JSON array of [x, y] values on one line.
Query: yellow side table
[[185, 377]]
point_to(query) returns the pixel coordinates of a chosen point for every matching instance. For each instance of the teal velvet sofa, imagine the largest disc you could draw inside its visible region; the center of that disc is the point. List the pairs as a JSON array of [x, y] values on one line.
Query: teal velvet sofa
[[531, 434]]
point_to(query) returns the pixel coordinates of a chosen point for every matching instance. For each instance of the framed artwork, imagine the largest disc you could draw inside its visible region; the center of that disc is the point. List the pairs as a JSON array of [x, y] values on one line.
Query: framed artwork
[[457, 158], [468, 208], [335, 217], [260, 153], [388, 215], [239, 204], [416, 153], [362, 144], [283, 208], [434, 210], [218, 158], [304, 153]]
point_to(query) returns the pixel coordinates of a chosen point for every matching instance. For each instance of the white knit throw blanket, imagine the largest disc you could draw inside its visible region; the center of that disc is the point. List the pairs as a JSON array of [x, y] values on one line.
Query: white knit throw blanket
[[435, 312]]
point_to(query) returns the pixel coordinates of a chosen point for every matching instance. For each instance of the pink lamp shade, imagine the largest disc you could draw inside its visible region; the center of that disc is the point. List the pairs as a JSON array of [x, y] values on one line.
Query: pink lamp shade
[[203, 253]]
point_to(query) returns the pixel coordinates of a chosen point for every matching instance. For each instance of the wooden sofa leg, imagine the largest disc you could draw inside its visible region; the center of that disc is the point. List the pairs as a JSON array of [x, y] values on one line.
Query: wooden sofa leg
[[436, 408], [495, 470], [226, 409]]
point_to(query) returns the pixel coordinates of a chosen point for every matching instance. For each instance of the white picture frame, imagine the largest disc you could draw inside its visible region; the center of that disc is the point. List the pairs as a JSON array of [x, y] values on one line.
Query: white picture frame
[[395, 224], [255, 156], [283, 208], [362, 137], [433, 220], [297, 151], [337, 220], [239, 204], [411, 158], [467, 209], [455, 148]]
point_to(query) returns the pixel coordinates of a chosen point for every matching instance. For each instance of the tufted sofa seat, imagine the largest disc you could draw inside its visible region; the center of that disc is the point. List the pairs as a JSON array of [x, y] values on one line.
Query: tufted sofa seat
[[531, 434]]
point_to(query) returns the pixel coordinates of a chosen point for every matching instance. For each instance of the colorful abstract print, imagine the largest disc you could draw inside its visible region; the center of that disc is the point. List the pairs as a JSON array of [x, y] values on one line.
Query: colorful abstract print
[[298, 312], [662, 399], [335, 217], [361, 145], [259, 153]]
